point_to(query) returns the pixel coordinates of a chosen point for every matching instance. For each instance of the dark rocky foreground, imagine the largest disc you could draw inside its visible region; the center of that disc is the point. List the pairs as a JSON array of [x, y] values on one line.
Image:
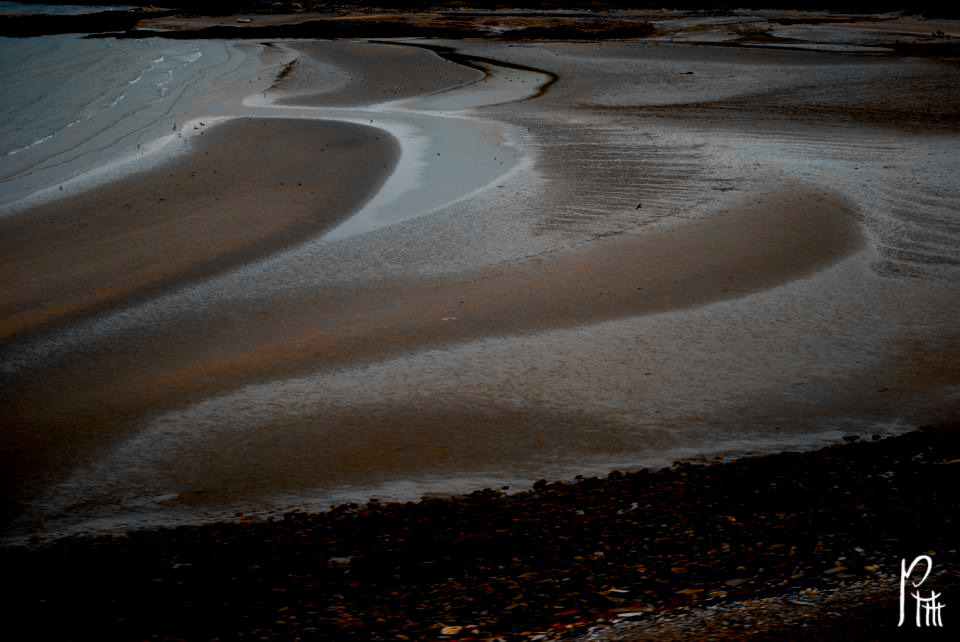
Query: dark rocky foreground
[[555, 559]]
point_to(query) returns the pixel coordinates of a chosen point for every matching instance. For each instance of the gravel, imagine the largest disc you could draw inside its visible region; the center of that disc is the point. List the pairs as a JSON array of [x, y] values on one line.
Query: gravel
[[791, 545]]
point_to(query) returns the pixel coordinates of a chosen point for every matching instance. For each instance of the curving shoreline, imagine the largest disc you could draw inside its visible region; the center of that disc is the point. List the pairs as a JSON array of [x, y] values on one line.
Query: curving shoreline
[[265, 180], [508, 327], [318, 329], [800, 546]]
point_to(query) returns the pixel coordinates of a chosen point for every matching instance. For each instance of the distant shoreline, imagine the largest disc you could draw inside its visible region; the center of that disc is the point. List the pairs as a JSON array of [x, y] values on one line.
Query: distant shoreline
[[541, 24]]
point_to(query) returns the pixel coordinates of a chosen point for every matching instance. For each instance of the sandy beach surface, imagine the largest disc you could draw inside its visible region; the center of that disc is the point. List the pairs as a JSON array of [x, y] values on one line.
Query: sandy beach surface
[[250, 188], [390, 274]]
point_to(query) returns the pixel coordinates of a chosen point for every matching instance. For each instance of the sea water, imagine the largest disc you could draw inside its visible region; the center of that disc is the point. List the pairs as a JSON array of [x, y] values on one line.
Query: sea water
[[22, 8], [69, 104]]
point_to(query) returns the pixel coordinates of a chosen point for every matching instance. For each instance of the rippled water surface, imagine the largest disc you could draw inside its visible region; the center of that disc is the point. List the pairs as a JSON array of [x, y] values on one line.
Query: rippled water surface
[[67, 103], [21, 8]]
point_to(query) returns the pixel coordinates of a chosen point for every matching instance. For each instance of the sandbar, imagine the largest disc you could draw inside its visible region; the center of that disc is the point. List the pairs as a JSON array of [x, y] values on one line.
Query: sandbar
[[248, 188], [751, 246]]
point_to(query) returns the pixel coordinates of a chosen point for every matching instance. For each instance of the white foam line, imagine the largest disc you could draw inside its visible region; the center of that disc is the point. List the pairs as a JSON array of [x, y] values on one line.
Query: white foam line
[[31, 145], [149, 155]]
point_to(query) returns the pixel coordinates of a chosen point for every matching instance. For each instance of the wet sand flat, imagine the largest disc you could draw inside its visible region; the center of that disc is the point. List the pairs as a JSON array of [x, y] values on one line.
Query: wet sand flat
[[772, 268], [359, 74], [247, 189], [690, 253], [752, 246]]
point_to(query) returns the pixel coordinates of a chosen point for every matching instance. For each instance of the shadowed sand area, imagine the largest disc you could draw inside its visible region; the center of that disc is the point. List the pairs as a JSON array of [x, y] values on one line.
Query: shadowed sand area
[[752, 246], [249, 188], [773, 239]]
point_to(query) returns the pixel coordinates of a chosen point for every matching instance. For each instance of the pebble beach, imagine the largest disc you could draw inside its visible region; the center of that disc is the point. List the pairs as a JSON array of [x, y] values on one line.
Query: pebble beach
[[796, 546]]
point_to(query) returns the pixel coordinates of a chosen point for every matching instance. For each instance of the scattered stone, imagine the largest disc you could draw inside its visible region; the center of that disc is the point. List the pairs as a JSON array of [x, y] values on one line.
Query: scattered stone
[[699, 540]]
